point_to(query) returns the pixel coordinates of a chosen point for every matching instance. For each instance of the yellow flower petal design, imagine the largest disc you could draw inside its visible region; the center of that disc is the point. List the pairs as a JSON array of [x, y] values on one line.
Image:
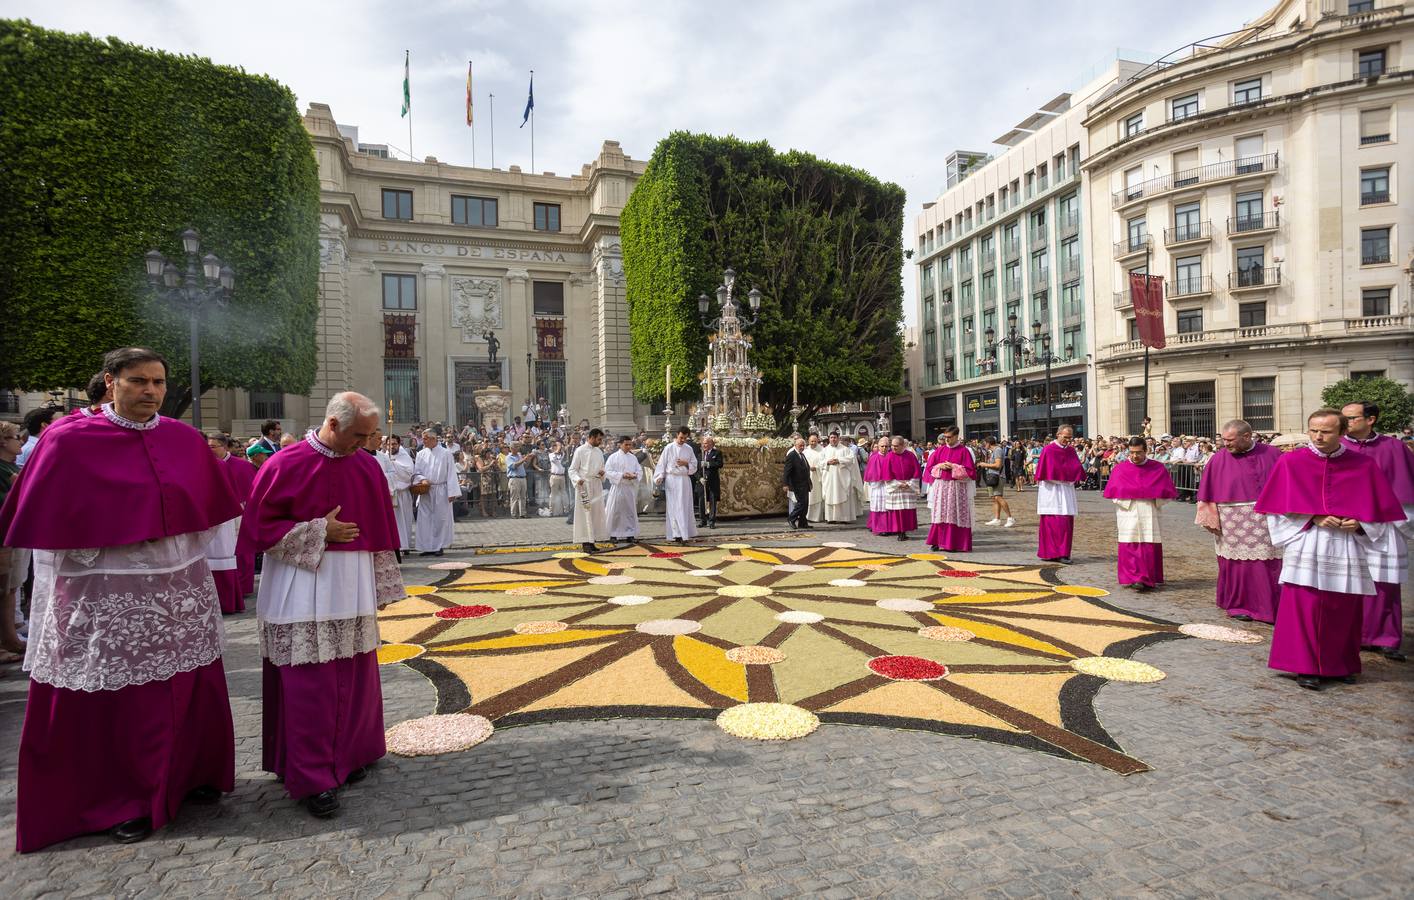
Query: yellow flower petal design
[[396, 653], [709, 665], [768, 721], [502, 586], [761, 556], [532, 640], [988, 632], [591, 568], [1081, 590], [995, 597], [414, 590]]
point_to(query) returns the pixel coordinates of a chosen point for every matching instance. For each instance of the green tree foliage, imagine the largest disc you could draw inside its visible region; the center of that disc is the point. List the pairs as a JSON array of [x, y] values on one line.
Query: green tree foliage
[[109, 149], [824, 242], [1394, 399]]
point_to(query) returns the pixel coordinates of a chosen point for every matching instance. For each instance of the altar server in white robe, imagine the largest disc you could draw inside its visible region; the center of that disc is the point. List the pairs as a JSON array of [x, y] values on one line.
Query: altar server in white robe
[[435, 465], [838, 477], [398, 469], [625, 474], [586, 473], [815, 457], [674, 472]]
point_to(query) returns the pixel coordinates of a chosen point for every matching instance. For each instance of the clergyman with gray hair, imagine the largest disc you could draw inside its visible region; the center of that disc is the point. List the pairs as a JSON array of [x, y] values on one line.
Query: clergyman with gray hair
[[321, 513]]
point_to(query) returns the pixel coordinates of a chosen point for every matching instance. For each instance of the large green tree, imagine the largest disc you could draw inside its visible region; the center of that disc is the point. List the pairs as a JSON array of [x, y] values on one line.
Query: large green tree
[[823, 241], [1395, 400], [109, 149]]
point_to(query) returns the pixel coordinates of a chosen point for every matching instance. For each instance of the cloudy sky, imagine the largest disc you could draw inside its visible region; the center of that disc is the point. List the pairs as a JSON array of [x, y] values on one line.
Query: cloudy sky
[[888, 87]]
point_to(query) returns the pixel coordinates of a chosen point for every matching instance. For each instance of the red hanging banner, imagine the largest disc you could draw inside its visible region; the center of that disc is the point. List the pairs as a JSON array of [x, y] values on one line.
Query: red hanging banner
[[1147, 293]]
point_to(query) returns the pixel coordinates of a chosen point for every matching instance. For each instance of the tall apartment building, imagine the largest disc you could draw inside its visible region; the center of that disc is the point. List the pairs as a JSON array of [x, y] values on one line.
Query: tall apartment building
[[1000, 252], [1262, 173]]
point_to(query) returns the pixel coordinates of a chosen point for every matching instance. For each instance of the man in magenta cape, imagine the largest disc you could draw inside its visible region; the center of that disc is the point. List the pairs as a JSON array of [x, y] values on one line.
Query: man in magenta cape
[[1249, 565], [1057, 471], [139, 683], [221, 553], [951, 476], [899, 469], [874, 483], [319, 511], [1139, 486], [1382, 625], [1328, 508]]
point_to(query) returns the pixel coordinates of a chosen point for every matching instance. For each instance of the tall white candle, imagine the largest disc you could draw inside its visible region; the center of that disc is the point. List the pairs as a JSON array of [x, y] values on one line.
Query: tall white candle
[[794, 384], [668, 385]]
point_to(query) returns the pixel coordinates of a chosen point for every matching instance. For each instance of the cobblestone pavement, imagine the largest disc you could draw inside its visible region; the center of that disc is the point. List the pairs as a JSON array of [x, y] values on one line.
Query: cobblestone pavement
[[1259, 789]]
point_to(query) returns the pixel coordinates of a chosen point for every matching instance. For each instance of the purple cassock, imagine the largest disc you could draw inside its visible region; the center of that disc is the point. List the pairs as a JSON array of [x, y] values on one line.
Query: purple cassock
[[874, 479], [128, 710], [226, 564], [900, 513], [1382, 624], [1138, 490], [950, 497], [317, 609], [1249, 565], [1057, 471], [1325, 572]]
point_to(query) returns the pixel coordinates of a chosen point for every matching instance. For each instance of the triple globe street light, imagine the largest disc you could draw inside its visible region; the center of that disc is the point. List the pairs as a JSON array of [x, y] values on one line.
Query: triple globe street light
[[207, 281], [1016, 343]]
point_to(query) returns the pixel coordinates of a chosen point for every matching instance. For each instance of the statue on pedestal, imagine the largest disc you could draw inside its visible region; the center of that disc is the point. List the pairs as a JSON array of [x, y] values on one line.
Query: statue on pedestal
[[492, 346]]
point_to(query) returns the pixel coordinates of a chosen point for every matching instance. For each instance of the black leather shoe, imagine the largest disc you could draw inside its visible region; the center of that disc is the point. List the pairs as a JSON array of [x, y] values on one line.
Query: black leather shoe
[[132, 831], [1243, 618], [357, 775], [1347, 679], [322, 805], [205, 795], [1393, 654], [1064, 559], [902, 536], [1309, 682], [589, 548], [438, 553]]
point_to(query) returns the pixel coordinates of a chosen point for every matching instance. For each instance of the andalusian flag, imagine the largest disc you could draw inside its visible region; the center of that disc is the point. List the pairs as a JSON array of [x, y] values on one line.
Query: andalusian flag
[[468, 92], [407, 83]]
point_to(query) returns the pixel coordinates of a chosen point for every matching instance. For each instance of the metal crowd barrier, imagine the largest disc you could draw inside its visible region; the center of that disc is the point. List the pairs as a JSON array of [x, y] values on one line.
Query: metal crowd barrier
[[1185, 480]]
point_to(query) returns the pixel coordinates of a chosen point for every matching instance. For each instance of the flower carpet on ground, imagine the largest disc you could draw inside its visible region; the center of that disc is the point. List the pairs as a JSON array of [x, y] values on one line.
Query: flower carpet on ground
[[772, 641]]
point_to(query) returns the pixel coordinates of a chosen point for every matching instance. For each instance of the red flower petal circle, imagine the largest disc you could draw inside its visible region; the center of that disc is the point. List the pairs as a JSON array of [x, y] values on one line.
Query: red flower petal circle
[[956, 573], [908, 668], [664, 555], [465, 612]]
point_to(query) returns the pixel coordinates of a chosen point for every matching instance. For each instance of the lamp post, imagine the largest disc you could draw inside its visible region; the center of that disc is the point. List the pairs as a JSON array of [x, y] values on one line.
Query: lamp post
[[530, 379], [207, 280], [1046, 358], [1015, 342]]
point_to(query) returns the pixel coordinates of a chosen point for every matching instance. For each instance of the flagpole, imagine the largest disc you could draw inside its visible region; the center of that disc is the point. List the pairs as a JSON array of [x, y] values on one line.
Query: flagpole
[[493, 131], [1148, 249], [532, 128], [407, 75], [471, 117]]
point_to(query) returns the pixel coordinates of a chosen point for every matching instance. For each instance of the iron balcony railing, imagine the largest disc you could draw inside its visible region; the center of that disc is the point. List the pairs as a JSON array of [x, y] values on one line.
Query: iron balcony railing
[[1374, 138], [1011, 249], [1254, 277], [1188, 232], [1038, 237], [1370, 68], [1189, 285], [1123, 299], [1070, 269], [1374, 256], [1013, 289], [1267, 221], [1370, 197], [1247, 165], [1132, 245]]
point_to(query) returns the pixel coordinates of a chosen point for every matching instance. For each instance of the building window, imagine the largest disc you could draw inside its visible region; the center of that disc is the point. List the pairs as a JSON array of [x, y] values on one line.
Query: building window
[[1040, 269], [1186, 222], [547, 217], [1132, 328], [1071, 343], [1190, 321], [1188, 275], [1249, 211], [1374, 125], [1249, 91], [1134, 124], [1070, 301], [400, 292], [1374, 185], [400, 387], [1135, 412], [478, 212], [549, 298], [1367, 373], [1360, 6], [964, 259], [397, 204], [550, 382], [1252, 315], [1183, 107], [1134, 183], [1369, 63], [266, 405], [1248, 151], [1250, 263], [1374, 302], [1138, 232], [1185, 168], [1374, 246], [1192, 408], [1259, 402]]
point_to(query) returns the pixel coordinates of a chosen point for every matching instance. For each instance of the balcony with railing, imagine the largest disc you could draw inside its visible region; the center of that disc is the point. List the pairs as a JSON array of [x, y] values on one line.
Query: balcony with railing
[[1132, 246], [1011, 249], [1040, 277], [1070, 269], [1189, 286], [1254, 278], [1123, 299], [988, 293], [1039, 237], [1369, 198], [1374, 256], [1257, 223], [1012, 289], [1068, 225], [1189, 233], [1246, 166]]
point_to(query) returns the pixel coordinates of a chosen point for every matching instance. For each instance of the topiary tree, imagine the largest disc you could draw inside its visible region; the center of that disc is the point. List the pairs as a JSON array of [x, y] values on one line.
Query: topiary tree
[[108, 150], [824, 242], [1394, 399]]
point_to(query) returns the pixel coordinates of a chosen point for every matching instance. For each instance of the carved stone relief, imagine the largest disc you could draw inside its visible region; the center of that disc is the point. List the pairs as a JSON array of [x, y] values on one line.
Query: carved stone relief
[[476, 307]]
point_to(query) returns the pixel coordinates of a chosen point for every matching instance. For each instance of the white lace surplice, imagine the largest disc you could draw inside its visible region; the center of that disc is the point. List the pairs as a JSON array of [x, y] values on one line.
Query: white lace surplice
[[1326, 558], [109, 618], [1137, 521]]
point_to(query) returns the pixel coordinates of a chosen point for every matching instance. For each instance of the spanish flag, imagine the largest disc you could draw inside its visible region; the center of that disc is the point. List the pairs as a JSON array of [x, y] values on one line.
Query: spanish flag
[[468, 93]]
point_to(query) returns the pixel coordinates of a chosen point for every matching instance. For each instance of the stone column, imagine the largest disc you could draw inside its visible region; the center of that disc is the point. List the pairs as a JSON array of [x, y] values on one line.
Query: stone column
[[333, 328], [614, 409], [437, 403], [520, 337], [1227, 394]]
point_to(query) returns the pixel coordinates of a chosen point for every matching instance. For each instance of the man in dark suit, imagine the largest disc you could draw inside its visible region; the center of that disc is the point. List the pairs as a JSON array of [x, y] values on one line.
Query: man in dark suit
[[797, 482], [711, 471]]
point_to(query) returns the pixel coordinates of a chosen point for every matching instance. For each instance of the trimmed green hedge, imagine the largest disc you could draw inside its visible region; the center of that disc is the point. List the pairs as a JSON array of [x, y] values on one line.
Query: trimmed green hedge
[[824, 242], [1395, 400], [108, 150]]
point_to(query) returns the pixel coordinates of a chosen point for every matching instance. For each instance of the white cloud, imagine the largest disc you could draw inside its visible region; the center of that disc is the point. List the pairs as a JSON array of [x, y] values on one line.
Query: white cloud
[[889, 88]]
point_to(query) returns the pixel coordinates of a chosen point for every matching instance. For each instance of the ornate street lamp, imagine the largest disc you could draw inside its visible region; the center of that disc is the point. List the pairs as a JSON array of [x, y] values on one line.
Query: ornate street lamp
[[207, 281], [1015, 342]]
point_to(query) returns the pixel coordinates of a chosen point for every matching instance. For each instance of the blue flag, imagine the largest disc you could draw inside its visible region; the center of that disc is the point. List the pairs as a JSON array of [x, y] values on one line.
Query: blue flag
[[529, 101]]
